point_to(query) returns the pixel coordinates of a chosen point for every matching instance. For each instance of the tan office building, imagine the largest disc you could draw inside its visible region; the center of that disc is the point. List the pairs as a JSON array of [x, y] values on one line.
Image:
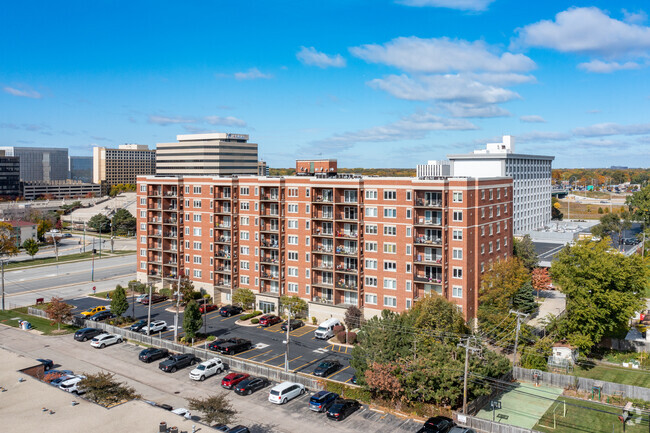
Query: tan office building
[[212, 154], [122, 165]]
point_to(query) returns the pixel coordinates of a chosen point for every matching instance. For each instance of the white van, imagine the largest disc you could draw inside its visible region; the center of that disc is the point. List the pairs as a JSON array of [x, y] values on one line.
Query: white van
[[325, 330], [285, 391]]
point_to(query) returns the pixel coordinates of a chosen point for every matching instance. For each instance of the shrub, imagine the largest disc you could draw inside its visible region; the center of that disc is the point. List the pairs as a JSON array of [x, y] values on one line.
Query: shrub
[[338, 328], [251, 315], [352, 337], [166, 292], [211, 338], [340, 336], [600, 210], [255, 321], [314, 321]]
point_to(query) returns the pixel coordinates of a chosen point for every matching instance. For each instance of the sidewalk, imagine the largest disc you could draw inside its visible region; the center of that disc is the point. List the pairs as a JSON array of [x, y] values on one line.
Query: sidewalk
[[554, 304]]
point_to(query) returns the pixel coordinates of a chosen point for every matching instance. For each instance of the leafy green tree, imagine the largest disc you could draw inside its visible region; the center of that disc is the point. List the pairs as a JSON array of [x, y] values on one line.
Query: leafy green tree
[[296, 305], [120, 188], [639, 205], [603, 290], [31, 247], [42, 227], [436, 315], [613, 223], [100, 223], [187, 291], [123, 222], [536, 356], [104, 390], [524, 299], [556, 214], [192, 319], [119, 303], [524, 250], [215, 408], [244, 298], [58, 311]]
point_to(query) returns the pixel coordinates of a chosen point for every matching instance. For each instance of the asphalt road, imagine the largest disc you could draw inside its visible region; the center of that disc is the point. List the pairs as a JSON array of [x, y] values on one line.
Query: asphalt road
[[254, 411], [75, 245], [305, 351], [54, 276]]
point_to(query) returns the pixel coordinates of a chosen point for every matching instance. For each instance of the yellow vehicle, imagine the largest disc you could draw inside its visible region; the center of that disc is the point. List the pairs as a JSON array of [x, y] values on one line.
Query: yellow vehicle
[[91, 311]]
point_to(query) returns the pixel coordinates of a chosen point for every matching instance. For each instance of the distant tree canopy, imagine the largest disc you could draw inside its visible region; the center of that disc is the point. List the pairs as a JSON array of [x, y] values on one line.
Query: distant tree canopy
[[120, 188], [602, 176]]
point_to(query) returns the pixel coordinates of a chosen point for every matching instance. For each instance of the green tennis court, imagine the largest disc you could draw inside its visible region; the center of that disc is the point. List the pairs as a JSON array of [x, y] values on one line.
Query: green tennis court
[[522, 406]]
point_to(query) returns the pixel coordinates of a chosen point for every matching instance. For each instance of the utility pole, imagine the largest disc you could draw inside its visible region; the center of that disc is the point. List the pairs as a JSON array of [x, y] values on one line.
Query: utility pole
[[178, 300], [286, 353], [112, 238], [100, 241], [92, 269], [84, 236], [3, 284], [520, 316], [149, 311], [470, 345]]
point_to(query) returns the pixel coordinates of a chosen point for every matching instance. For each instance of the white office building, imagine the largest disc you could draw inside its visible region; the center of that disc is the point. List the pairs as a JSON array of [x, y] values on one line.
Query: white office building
[[434, 169], [531, 176]]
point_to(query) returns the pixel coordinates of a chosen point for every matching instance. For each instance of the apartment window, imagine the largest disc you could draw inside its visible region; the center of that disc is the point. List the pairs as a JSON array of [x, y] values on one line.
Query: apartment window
[[187, 246], [245, 250], [292, 240], [390, 212], [390, 301], [307, 273], [490, 249], [143, 265], [390, 230], [491, 195], [498, 211], [307, 286], [498, 194], [245, 264], [143, 201], [256, 221], [293, 192], [307, 240], [408, 286], [371, 229], [143, 253], [390, 195], [244, 220], [371, 264], [408, 250], [491, 230], [390, 248], [292, 208], [196, 246], [196, 204], [482, 230], [458, 215], [143, 188], [143, 239], [371, 281], [197, 190], [457, 235], [371, 194], [257, 251], [256, 191], [371, 299], [505, 241], [293, 256], [307, 195], [292, 287], [371, 211], [307, 225], [196, 231], [307, 257], [350, 196], [244, 190], [482, 267], [498, 227], [292, 224], [187, 258], [244, 236], [371, 246], [482, 194], [244, 205], [456, 292], [491, 212], [482, 248], [505, 208], [143, 226], [196, 260], [256, 205], [244, 279], [408, 195], [408, 304], [196, 217], [197, 273], [457, 273], [408, 232], [390, 283], [390, 266], [457, 253], [457, 197], [498, 244], [482, 212], [408, 214]]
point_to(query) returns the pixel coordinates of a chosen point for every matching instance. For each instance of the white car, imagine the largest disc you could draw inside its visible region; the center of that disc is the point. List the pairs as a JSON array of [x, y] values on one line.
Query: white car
[[104, 340], [155, 326], [206, 369], [183, 412], [140, 298], [72, 385], [285, 391]]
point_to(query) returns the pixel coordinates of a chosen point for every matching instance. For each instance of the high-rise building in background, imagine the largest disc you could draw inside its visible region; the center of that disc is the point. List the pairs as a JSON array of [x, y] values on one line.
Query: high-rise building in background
[[40, 163], [9, 176], [81, 168], [335, 241], [531, 176], [207, 154], [262, 168], [122, 165]]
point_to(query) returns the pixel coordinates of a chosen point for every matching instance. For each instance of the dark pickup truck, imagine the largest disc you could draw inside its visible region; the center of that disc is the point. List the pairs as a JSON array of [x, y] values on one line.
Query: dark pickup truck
[[175, 362], [235, 346], [154, 298]]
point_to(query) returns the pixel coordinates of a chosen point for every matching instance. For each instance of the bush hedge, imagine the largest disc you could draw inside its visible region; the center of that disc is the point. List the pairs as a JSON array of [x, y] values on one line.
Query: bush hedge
[[251, 315], [338, 328], [255, 321], [211, 338]]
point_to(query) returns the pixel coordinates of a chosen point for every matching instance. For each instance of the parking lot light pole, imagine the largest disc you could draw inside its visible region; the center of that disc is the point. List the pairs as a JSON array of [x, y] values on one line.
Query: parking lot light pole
[[286, 353], [149, 310]]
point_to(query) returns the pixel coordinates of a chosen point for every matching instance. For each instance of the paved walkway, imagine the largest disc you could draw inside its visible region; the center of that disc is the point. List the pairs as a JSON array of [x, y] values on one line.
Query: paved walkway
[[554, 304]]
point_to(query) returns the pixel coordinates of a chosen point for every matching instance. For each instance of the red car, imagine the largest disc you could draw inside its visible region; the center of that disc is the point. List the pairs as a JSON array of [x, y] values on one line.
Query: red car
[[207, 308], [270, 320], [232, 379]]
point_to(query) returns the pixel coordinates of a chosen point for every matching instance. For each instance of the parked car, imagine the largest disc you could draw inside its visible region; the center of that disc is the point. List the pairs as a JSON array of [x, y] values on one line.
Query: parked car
[[342, 408], [327, 367], [94, 310], [250, 385], [207, 368], [239, 429], [459, 429], [232, 379], [141, 297], [630, 241], [207, 308], [102, 315], [285, 391], [87, 333], [437, 424], [269, 320], [354, 379], [322, 400], [154, 299], [104, 340], [326, 329], [230, 310], [178, 361], [235, 346], [293, 324], [72, 385], [154, 326], [152, 354], [59, 380], [48, 364], [216, 344], [137, 326]]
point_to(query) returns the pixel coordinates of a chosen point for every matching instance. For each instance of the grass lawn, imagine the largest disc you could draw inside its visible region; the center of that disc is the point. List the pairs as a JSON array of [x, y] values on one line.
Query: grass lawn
[[609, 373], [9, 317], [585, 419]]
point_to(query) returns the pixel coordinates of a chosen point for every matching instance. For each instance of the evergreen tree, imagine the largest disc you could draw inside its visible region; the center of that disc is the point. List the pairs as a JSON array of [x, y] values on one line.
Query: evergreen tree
[[31, 247], [524, 299], [119, 303], [192, 319]]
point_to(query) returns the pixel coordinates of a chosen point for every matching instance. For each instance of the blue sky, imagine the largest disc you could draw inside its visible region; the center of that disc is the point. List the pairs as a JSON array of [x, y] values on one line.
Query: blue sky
[[372, 83]]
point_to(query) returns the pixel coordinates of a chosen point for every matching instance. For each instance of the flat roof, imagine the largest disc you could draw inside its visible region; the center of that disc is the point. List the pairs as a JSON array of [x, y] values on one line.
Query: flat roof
[[211, 136], [498, 155]]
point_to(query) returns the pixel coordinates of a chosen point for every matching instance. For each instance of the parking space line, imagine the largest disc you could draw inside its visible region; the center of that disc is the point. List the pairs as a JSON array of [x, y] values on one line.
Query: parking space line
[[337, 372], [290, 361], [347, 381], [231, 317], [260, 354], [305, 365], [297, 334], [271, 359], [245, 351]]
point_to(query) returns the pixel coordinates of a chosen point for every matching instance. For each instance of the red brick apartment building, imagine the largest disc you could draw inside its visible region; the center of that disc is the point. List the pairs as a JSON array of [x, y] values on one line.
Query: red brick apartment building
[[333, 240]]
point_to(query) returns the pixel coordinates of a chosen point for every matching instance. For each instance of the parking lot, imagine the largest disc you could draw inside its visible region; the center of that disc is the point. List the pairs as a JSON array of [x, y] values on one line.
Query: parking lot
[[305, 351]]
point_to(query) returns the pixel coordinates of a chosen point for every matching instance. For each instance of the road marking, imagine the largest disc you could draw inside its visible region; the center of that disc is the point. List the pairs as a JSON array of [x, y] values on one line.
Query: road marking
[[290, 361], [347, 381], [261, 346], [245, 351], [271, 359], [321, 350], [307, 364], [62, 286], [337, 372], [260, 354], [297, 334]]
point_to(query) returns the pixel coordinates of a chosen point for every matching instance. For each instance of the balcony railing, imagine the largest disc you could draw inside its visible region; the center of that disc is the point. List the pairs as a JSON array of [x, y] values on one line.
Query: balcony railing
[[319, 232], [340, 268], [428, 279], [328, 283], [323, 199], [322, 300], [428, 240], [348, 285], [320, 249], [223, 254], [347, 251], [430, 222], [270, 244], [224, 239], [428, 203], [347, 234], [428, 259]]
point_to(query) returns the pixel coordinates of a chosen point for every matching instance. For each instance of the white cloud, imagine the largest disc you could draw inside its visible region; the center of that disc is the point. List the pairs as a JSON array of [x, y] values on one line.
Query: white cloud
[[502, 79], [532, 119], [252, 74], [605, 129], [541, 137], [25, 92], [600, 67], [460, 109], [463, 5], [450, 87], [227, 121], [165, 120], [634, 17], [309, 56], [439, 55], [587, 30]]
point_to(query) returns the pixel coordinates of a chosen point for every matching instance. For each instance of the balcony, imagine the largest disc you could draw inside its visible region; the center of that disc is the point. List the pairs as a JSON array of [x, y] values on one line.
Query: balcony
[[323, 300], [429, 222], [435, 260], [323, 267], [170, 221], [222, 225], [347, 217], [223, 284], [349, 270], [270, 197], [428, 240], [419, 202], [155, 220], [322, 199], [324, 216], [270, 228], [323, 233], [341, 234], [323, 283], [155, 193], [222, 197], [155, 260], [346, 285], [223, 211], [267, 276], [223, 254], [223, 270], [155, 247], [170, 194], [156, 233], [428, 279], [269, 260], [323, 250], [223, 240], [269, 244], [154, 206], [171, 235], [346, 251]]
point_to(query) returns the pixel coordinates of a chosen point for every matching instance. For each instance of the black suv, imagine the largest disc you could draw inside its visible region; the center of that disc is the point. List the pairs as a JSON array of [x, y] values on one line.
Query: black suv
[[87, 334], [175, 362], [102, 315], [230, 310], [342, 408], [153, 353], [327, 367], [437, 424], [216, 344], [234, 346]]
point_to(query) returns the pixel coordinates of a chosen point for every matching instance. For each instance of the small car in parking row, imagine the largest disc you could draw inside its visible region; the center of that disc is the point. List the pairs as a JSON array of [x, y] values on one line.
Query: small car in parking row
[[93, 310], [155, 298], [102, 315], [72, 385], [342, 408], [230, 380], [235, 346], [207, 308], [178, 361], [48, 364], [250, 385], [206, 369], [87, 333], [269, 320], [154, 326], [152, 354], [322, 401], [230, 310], [292, 324], [285, 391], [137, 326], [104, 340], [437, 424], [327, 367]]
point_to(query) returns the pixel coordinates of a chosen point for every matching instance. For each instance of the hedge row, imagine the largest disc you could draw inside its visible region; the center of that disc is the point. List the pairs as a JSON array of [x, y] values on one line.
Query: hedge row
[[251, 315]]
